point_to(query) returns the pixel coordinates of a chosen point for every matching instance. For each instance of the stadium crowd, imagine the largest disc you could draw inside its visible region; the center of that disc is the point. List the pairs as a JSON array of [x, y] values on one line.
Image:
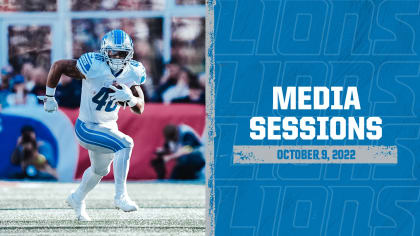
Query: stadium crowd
[[181, 80], [92, 5], [20, 87]]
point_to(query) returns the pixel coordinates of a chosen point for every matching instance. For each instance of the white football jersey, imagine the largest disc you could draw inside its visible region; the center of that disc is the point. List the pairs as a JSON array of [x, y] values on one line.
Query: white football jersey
[[95, 105]]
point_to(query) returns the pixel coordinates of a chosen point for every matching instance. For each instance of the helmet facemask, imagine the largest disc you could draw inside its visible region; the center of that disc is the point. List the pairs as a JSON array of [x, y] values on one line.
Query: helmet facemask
[[117, 59]]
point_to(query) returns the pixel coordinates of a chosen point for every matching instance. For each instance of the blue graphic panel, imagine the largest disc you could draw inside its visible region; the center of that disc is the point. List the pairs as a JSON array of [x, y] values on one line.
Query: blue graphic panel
[[368, 44]]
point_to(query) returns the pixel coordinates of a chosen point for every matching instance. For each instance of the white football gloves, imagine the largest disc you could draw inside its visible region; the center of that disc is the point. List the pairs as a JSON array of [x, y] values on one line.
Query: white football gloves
[[123, 95], [50, 104]]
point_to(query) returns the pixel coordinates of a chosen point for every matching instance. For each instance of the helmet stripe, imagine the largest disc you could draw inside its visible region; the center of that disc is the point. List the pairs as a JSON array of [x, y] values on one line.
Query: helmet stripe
[[118, 34], [119, 37], [115, 37]]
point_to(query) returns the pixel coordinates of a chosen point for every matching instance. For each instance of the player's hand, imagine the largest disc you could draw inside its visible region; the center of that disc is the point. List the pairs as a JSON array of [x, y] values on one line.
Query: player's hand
[[50, 104], [121, 95]]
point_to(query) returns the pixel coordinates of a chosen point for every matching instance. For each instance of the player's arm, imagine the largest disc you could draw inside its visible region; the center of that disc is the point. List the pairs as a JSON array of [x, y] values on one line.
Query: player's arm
[[138, 94], [63, 67], [182, 151]]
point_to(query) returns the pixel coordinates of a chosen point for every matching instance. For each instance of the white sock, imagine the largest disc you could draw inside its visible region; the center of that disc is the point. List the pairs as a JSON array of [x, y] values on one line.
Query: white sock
[[89, 181], [121, 166]]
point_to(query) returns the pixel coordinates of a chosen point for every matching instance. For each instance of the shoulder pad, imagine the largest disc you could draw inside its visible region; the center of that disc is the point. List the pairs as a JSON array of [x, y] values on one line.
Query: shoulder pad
[[84, 63], [140, 71], [134, 63]]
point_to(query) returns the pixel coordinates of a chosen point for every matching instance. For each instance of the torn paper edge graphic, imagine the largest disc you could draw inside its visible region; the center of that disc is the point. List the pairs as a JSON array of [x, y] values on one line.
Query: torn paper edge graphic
[[315, 154]]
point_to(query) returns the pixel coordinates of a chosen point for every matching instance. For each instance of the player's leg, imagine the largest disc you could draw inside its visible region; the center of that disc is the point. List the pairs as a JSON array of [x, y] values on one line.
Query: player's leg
[[100, 166], [121, 167], [101, 152], [122, 145]]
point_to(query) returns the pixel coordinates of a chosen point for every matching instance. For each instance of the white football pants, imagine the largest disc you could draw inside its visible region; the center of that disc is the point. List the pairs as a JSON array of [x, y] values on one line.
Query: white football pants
[[105, 144]]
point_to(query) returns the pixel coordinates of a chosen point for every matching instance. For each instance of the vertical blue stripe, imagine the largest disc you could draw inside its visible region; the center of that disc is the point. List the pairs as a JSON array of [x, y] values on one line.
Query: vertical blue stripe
[[115, 37], [118, 36]]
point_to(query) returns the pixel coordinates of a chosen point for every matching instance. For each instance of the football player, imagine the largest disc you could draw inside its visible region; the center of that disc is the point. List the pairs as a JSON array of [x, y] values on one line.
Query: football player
[[110, 79]]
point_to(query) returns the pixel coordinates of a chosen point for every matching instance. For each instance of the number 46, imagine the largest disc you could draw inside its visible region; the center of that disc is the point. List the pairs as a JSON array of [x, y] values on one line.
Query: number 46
[[100, 99]]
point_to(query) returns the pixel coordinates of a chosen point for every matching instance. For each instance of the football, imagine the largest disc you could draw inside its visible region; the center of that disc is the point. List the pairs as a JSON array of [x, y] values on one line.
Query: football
[[116, 85]]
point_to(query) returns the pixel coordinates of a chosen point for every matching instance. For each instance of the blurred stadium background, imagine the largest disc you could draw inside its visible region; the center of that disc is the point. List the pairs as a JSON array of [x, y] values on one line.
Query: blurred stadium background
[[169, 39]]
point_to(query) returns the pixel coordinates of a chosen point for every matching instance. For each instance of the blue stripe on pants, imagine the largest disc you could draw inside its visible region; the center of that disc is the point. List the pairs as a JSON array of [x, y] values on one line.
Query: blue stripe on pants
[[102, 134], [94, 137]]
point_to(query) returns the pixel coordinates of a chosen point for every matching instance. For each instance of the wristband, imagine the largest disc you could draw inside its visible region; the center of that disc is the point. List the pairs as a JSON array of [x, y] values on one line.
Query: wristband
[[50, 91]]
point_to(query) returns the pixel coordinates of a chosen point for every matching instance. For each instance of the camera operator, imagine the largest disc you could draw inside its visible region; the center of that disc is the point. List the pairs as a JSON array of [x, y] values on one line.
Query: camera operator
[[184, 145], [27, 155]]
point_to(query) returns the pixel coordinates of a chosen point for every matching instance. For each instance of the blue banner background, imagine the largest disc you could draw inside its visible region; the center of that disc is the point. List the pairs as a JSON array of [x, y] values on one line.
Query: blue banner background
[[369, 44]]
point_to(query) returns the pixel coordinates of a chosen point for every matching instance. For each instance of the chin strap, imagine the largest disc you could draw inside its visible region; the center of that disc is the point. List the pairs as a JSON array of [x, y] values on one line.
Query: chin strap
[[115, 72]]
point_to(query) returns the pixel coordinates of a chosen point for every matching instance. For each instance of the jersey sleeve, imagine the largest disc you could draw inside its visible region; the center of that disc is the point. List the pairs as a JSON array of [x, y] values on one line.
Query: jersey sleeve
[[85, 63], [140, 72]]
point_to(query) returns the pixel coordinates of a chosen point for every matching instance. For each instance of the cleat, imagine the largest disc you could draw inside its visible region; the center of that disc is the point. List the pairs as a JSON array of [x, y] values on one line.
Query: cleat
[[79, 208], [126, 204]]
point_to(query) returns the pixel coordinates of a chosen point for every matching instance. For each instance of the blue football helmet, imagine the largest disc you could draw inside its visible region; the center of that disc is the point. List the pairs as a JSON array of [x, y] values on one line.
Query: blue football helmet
[[117, 48]]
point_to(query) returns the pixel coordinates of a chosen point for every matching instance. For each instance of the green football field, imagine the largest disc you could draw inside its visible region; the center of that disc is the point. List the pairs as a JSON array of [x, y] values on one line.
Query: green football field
[[39, 208]]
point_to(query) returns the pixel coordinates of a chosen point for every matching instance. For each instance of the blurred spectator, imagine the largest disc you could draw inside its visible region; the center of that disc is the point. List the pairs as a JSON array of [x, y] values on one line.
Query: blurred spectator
[[26, 72], [171, 71], [29, 5], [29, 44], [36, 81], [92, 5], [35, 157], [169, 79], [20, 95], [153, 63], [184, 145], [180, 88], [30, 47], [190, 2], [195, 94], [202, 79], [188, 42], [6, 75], [68, 92]]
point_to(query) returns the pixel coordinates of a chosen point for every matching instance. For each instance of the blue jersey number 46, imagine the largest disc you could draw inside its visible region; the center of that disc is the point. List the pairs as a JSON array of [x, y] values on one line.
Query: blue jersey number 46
[[100, 99]]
